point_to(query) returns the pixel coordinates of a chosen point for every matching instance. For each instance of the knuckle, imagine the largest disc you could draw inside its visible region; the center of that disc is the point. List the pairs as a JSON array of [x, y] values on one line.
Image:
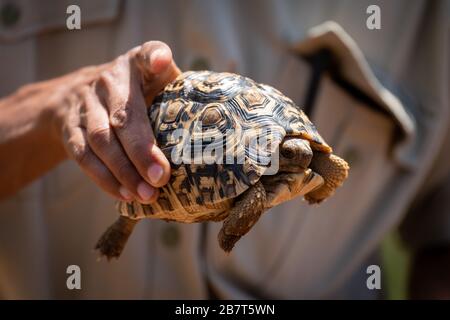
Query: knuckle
[[79, 152], [84, 91], [108, 78], [99, 136], [105, 80], [114, 70], [120, 101], [120, 117]]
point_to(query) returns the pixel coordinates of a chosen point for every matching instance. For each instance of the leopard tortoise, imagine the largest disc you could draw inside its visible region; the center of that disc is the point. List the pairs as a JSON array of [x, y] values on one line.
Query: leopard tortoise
[[240, 177]]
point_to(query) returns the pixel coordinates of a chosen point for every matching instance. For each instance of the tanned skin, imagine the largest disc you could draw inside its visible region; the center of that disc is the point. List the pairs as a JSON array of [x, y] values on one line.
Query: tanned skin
[[95, 116]]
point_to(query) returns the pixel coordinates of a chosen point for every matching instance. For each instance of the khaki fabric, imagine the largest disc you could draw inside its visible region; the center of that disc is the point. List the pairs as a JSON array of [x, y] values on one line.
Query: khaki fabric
[[295, 251]]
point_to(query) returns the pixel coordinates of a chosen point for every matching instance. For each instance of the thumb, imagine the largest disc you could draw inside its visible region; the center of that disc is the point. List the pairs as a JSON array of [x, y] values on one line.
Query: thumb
[[156, 66]]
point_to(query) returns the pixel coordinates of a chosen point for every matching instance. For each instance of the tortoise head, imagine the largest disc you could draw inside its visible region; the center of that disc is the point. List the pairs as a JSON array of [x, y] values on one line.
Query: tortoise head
[[295, 154]]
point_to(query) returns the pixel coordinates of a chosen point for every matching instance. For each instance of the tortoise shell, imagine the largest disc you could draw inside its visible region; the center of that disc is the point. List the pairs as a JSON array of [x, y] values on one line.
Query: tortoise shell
[[220, 132]]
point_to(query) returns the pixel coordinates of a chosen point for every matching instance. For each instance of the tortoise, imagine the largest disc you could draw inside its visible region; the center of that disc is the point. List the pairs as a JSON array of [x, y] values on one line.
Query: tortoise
[[236, 148]]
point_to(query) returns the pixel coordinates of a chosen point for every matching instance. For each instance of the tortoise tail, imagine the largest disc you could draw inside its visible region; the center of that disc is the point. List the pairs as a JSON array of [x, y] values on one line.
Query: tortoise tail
[[114, 239]]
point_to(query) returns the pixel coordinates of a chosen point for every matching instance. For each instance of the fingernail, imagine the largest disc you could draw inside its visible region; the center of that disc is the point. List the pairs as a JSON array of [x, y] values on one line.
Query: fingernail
[[125, 193], [155, 173], [145, 191], [155, 55], [159, 60]]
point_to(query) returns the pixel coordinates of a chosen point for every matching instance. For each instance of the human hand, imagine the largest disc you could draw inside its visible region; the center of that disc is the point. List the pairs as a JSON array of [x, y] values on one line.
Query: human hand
[[103, 123]]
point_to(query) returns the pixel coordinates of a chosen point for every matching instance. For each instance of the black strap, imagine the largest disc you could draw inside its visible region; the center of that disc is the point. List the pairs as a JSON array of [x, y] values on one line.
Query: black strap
[[320, 62], [324, 61]]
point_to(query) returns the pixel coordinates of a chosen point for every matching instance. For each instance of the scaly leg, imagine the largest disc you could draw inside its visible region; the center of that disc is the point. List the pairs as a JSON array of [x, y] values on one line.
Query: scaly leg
[[244, 214]]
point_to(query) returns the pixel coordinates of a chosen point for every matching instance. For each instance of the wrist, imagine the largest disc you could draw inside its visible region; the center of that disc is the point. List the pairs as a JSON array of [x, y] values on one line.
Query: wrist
[[51, 125]]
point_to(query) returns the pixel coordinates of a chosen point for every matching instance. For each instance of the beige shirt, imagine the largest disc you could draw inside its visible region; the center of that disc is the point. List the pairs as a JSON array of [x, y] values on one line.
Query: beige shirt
[[397, 150]]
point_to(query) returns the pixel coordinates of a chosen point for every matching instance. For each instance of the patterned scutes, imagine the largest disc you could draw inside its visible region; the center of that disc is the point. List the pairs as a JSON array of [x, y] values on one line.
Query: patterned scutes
[[219, 131]]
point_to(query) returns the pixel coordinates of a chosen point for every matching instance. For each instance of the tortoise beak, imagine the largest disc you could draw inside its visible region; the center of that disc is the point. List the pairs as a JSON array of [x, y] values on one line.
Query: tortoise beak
[[312, 181]]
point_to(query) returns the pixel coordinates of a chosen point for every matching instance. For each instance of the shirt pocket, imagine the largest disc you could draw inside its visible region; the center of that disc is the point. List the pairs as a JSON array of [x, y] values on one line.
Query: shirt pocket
[[21, 19]]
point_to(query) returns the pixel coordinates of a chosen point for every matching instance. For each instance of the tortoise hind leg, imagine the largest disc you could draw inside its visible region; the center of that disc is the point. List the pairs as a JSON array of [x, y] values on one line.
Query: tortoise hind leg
[[244, 214], [114, 239]]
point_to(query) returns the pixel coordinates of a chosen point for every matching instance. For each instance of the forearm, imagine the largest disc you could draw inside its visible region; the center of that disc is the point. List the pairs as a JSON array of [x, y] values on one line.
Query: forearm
[[29, 145], [31, 122]]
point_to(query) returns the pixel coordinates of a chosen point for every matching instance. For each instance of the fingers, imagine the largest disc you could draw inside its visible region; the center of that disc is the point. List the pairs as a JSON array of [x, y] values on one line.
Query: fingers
[[78, 149], [129, 120], [111, 137], [106, 146], [147, 68]]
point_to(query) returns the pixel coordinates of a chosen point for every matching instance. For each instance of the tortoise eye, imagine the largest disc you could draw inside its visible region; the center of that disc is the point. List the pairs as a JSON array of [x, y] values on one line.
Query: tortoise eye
[[211, 116], [288, 153]]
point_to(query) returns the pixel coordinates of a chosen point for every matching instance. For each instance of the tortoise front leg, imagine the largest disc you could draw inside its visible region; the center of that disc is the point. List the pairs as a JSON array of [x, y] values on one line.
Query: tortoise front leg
[[244, 214], [334, 171]]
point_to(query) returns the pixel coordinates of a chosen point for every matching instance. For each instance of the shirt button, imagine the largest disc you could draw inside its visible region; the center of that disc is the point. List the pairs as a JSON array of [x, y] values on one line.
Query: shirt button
[[170, 236], [9, 14], [200, 63]]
